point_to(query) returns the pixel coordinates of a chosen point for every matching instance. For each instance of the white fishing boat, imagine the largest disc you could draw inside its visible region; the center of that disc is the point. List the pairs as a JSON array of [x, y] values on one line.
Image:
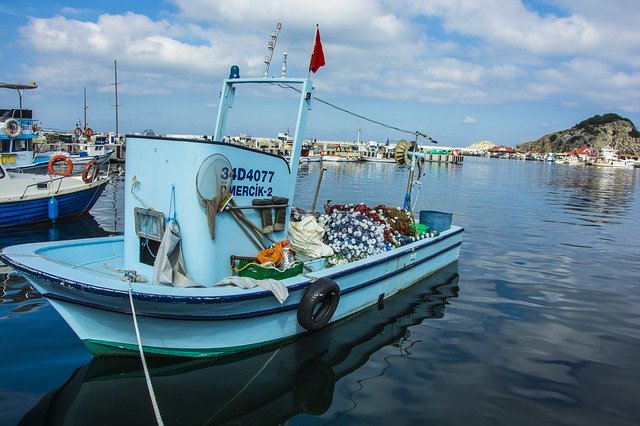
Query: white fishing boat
[[169, 286], [73, 154], [609, 158]]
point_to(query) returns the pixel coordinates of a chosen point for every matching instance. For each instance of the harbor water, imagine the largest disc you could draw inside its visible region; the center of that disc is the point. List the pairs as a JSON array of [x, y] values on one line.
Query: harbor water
[[537, 323]]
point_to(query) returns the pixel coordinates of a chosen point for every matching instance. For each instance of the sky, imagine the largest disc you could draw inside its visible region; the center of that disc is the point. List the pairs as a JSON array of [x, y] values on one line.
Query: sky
[[461, 71]]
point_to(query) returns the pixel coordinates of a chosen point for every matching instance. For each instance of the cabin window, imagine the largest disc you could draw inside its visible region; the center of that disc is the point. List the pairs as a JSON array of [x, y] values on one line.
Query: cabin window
[[19, 145], [150, 229]]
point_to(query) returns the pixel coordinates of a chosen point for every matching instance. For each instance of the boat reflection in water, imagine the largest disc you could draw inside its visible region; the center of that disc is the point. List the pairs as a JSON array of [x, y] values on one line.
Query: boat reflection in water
[[83, 226], [267, 387]]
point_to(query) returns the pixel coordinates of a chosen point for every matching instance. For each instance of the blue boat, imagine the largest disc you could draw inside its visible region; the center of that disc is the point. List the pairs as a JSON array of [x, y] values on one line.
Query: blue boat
[[31, 198], [170, 284]]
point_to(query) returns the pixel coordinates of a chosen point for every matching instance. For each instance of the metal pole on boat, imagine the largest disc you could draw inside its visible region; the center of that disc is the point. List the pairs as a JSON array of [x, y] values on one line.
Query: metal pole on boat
[[85, 106], [115, 85], [315, 197], [407, 197]]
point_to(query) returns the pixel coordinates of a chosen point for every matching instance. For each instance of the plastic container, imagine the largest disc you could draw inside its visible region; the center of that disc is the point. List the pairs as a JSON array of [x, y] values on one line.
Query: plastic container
[[419, 228], [287, 255], [247, 268], [435, 220]]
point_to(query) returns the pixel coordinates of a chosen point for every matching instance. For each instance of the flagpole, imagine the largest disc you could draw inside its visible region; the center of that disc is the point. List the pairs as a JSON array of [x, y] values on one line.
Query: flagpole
[[314, 45]]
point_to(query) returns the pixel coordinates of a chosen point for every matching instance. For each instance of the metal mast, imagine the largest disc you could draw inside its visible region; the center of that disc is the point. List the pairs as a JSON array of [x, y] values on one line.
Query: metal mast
[[271, 47], [85, 106], [115, 84]]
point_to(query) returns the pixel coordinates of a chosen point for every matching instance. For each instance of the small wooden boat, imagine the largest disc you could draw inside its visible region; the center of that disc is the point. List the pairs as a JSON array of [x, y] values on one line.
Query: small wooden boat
[[174, 269]]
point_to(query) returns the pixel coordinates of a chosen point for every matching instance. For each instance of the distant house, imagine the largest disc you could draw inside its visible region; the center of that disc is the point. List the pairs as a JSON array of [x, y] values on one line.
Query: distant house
[[502, 148], [586, 152], [501, 151]]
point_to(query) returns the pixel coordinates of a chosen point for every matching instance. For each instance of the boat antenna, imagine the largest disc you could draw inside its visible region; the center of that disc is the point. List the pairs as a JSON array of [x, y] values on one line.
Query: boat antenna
[[271, 47]]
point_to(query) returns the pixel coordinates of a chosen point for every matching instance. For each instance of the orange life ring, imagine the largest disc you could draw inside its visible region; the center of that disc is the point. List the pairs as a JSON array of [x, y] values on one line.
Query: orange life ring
[[77, 131], [90, 171], [88, 132], [57, 158]]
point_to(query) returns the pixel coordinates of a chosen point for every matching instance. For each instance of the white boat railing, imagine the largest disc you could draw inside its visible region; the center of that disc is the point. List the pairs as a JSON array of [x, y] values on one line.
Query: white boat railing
[[51, 181]]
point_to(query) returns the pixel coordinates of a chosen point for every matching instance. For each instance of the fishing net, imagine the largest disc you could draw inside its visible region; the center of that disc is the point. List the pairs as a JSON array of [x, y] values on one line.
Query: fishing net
[[355, 231]]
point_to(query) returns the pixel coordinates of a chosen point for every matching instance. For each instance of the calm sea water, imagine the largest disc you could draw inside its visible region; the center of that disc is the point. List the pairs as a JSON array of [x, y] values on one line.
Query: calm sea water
[[538, 322]]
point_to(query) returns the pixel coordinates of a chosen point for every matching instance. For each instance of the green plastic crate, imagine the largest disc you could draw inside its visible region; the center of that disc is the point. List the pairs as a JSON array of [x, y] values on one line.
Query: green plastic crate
[[419, 228], [257, 272]]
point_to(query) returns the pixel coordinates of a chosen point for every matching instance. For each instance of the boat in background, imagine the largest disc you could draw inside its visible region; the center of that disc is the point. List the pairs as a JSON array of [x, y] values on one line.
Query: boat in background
[[25, 149], [340, 157], [175, 272], [377, 153], [77, 147], [30, 198], [18, 129], [609, 158]]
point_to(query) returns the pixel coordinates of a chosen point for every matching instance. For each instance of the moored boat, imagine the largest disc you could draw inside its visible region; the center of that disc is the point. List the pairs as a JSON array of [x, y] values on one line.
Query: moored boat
[[79, 151], [609, 158], [173, 270], [18, 129], [29, 198], [267, 387]]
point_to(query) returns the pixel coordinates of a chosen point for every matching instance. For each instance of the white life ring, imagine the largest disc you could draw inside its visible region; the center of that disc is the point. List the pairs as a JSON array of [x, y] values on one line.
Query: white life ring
[[12, 128]]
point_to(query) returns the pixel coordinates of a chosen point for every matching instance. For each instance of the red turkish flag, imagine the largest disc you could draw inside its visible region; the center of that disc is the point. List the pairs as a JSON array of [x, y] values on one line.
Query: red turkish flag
[[317, 57]]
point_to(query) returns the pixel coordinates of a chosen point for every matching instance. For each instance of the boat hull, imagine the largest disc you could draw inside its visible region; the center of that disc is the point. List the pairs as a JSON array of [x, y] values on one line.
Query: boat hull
[[211, 321], [36, 209], [292, 379]]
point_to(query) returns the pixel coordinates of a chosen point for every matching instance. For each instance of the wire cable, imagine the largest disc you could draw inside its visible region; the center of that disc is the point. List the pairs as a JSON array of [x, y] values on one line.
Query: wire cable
[[388, 126]]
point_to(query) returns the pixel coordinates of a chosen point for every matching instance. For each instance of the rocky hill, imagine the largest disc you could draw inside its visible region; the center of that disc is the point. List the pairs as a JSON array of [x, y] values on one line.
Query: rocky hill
[[598, 131]]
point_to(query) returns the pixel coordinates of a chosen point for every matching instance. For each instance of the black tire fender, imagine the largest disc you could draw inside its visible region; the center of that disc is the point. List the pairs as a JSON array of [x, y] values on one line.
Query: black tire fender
[[318, 304]]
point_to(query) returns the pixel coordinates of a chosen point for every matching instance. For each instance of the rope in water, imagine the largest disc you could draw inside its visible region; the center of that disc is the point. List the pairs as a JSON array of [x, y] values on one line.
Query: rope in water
[[251, 380], [152, 394]]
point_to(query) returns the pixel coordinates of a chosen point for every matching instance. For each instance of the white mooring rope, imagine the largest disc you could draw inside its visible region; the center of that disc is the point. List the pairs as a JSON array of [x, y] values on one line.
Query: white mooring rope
[[152, 394]]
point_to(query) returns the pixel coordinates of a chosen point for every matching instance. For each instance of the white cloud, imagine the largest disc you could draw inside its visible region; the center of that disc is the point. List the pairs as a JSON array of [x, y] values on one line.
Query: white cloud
[[489, 53], [468, 120]]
